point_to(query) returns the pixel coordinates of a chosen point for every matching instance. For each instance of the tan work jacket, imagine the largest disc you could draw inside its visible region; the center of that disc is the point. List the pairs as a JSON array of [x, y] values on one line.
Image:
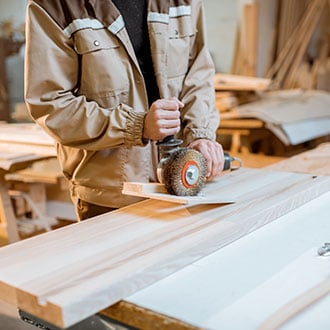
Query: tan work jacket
[[84, 87]]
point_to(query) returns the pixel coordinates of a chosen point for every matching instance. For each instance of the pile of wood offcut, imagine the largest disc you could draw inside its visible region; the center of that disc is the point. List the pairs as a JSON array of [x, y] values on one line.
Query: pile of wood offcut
[[282, 56]]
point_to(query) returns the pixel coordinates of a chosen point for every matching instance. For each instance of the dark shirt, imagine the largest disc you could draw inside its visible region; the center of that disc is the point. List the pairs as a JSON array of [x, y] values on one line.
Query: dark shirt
[[134, 13]]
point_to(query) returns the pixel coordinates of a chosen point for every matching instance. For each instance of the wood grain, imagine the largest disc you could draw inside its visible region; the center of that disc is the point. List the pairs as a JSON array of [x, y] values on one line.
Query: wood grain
[[158, 191], [316, 161], [69, 274], [8, 226], [27, 138], [234, 82]]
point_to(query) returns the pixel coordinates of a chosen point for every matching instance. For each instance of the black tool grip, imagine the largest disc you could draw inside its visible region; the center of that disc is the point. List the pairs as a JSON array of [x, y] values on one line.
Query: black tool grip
[[170, 141], [228, 160]]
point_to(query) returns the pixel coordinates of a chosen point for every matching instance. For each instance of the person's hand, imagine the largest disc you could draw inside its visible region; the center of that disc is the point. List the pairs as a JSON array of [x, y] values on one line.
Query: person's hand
[[213, 153], [162, 119]]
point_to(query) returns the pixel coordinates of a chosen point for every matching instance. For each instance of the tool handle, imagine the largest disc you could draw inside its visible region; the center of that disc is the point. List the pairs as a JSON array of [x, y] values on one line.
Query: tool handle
[[170, 141], [228, 161]]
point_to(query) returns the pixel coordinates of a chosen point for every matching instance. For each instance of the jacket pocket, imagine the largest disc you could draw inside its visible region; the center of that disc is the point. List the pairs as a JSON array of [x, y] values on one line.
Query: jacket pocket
[[180, 34], [102, 66], [89, 40]]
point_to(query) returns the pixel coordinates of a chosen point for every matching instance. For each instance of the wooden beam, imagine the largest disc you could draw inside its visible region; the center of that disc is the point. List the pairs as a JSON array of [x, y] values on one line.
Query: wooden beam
[[251, 22], [4, 93], [158, 191], [7, 217], [232, 82]]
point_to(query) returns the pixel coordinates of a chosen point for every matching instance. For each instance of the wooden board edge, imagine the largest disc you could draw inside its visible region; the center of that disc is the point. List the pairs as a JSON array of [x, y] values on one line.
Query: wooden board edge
[[8, 293], [143, 318], [45, 311], [157, 191]]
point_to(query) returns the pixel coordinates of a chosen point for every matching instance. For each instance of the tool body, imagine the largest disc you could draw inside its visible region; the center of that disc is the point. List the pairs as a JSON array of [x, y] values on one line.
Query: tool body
[[183, 170]]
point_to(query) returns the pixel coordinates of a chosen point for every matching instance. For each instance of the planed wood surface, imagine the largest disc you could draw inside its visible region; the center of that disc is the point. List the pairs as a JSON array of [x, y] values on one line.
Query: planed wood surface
[[27, 138], [11, 159], [221, 281], [316, 161], [232, 82], [158, 191], [69, 274]]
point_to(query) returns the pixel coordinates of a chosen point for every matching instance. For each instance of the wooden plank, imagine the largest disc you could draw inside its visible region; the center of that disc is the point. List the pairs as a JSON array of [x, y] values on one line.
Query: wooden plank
[[7, 217], [259, 256], [315, 161], [27, 138], [4, 93], [243, 123], [71, 273], [306, 33], [289, 58], [158, 191], [11, 160], [250, 19], [27, 133], [223, 81], [8, 159], [277, 299], [297, 306]]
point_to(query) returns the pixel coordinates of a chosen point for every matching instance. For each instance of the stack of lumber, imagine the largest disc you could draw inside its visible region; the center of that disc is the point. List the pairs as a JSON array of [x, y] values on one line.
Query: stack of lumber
[[294, 116], [288, 43], [294, 66], [28, 137], [295, 53], [233, 90]]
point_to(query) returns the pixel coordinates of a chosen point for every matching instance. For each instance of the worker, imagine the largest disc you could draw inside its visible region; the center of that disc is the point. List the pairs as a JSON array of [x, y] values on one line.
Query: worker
[[108, 79]]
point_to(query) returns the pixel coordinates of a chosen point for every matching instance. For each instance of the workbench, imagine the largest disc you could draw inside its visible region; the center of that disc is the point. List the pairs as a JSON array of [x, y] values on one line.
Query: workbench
[[20, 146], [182, 266], [244, 283], [232, 288]]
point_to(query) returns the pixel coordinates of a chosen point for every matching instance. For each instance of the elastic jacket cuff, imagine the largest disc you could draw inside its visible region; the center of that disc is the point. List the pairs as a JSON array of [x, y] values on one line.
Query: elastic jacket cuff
[[134, 131]]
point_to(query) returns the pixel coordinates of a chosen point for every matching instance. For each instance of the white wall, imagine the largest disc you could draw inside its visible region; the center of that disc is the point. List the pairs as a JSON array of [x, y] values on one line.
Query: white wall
[[221, 21], [13, 9]]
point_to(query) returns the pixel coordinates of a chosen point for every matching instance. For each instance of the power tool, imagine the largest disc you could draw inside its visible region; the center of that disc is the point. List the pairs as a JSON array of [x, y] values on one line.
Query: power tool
[[183, 170]]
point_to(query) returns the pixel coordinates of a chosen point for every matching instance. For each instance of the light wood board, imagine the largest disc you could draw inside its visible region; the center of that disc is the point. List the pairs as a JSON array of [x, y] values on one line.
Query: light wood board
[[69, 274], [27, 138], [231, 82], [158, 191], [9, 159], [316, 161]]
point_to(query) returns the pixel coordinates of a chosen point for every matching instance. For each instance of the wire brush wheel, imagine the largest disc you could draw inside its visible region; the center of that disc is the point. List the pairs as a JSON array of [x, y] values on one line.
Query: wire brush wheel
[[185, 172]]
